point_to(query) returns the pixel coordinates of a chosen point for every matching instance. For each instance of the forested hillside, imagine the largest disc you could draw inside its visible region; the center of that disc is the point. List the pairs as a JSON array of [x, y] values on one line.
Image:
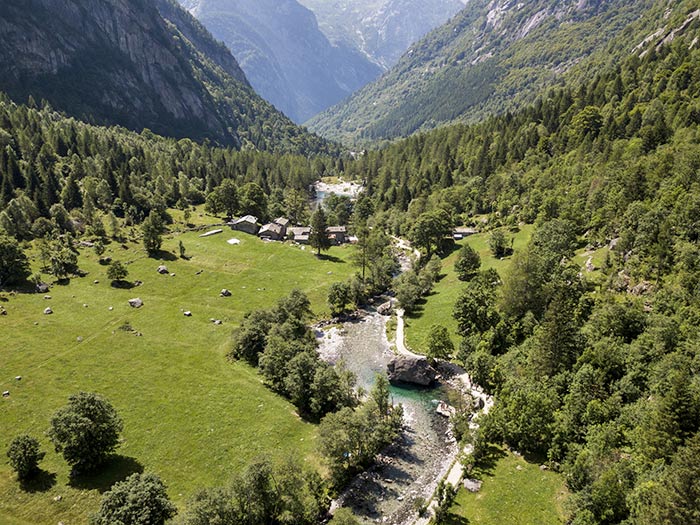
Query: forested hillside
[[595, 368], [496, 56], [53, 167], [140, 65]]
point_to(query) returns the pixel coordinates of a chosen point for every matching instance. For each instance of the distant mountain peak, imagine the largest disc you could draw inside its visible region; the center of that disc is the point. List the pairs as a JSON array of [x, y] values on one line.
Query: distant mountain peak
[[286, 57]]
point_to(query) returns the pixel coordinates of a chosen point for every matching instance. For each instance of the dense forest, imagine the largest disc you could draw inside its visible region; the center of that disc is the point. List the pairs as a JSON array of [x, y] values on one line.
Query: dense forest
[[595, 372], [53, 165], [599, 375]]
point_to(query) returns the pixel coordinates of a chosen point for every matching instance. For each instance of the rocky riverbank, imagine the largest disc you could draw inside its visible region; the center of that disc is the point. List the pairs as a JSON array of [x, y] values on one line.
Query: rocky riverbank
[[408, 471]]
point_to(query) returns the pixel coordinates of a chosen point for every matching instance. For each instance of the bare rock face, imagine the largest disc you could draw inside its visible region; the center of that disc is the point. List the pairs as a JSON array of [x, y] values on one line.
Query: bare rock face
[[140, 64], [411, 369]]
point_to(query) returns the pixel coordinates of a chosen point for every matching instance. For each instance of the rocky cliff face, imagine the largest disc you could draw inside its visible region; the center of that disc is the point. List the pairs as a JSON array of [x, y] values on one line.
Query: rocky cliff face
[[137, 63], [285, 56], [382, 29]]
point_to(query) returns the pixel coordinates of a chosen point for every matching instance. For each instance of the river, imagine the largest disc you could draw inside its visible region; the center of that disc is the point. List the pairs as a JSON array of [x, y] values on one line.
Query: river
[[410, 469], [323, 190]]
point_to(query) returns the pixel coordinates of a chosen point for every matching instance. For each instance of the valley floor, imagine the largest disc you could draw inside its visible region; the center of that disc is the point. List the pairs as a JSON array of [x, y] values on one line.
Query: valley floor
[[190, 416]]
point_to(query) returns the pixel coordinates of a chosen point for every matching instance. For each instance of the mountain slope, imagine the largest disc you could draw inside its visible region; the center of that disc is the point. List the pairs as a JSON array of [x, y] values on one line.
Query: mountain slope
[[284, 54], [382, 29], [493, 55], [139, 64]]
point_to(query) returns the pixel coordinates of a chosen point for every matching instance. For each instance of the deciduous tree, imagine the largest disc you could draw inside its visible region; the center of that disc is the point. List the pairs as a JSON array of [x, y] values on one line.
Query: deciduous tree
[[86, 431], [24, 454], [141, 499]]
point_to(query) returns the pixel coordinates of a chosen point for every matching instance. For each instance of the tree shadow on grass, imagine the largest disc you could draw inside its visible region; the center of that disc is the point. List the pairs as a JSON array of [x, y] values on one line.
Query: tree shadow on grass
[[487, 463], [162, 255], [536, 458], [418, 309], [330, 258], [42, 481], [123, 285], [117, 468], [454, 519]]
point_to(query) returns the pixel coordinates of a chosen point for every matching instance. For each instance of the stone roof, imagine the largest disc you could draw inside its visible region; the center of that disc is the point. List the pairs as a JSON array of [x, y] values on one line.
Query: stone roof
[[271, 227], [246, 218], [299, 230]]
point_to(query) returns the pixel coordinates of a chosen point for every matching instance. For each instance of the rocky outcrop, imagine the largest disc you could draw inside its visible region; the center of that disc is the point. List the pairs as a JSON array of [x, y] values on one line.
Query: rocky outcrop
[[133, 63], [414, 370]]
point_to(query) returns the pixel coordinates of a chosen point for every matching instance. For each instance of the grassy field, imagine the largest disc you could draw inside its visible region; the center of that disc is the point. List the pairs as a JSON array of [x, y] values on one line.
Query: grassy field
[[189, 415], [514, 492], [437, 308]]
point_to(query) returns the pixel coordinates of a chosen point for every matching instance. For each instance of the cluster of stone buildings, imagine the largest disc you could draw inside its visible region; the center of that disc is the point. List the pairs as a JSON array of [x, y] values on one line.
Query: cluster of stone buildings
[[279, 230]]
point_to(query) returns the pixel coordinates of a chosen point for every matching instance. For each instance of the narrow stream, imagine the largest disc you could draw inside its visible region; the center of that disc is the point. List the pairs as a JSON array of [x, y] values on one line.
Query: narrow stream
[[410, 469]]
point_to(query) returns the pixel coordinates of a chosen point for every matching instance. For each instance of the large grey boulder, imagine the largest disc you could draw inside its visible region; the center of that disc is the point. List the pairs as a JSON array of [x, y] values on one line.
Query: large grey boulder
[[385, 309], [135, 303], [411, 369]]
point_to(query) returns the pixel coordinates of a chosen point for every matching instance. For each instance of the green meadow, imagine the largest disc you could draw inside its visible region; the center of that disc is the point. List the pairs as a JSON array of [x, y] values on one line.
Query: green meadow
[[514, 492], [190, 415], [437, 307]]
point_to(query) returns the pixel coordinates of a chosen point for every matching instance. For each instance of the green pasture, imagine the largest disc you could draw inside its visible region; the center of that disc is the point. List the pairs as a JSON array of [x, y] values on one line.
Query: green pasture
[[189, 415], [514, 492], [437, 307]]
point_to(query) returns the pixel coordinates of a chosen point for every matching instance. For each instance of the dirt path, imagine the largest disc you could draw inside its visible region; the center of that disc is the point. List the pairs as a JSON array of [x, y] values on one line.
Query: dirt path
[[401, 347], [456, 471]]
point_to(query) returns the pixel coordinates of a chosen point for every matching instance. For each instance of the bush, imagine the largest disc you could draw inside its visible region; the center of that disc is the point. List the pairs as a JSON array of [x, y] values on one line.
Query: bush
[[339, 296], [86, 431], [468, 263], [141, 499], [25, 456], [499, 244], [14, 266], [117, 271], [438, 344]]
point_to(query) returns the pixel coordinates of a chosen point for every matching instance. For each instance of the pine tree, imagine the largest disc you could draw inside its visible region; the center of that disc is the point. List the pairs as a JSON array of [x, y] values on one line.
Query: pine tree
[[319, 238]]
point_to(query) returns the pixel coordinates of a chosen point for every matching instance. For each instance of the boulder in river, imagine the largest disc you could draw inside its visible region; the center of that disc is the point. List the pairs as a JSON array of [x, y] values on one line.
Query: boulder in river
[[411, 369], [385, 309]]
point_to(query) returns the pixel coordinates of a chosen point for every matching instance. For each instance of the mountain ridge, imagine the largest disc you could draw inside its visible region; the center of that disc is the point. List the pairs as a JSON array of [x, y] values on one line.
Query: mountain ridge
[[382, 29], [493, 56], [139, 64], [286, 57]]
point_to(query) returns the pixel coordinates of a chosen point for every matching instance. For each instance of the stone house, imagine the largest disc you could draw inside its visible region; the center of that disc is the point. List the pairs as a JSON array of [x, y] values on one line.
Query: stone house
[[283, 222], [337, 234], [247, 224], [299, 234], [461, 232], [271, 232]]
